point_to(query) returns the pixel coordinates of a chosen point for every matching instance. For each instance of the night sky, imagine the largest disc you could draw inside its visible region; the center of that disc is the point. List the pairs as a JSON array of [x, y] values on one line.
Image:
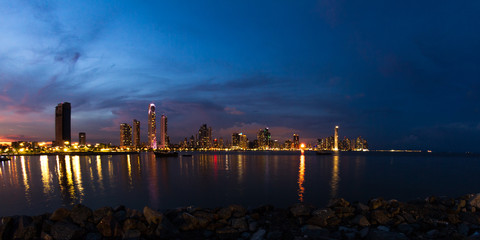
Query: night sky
[[403, 74]]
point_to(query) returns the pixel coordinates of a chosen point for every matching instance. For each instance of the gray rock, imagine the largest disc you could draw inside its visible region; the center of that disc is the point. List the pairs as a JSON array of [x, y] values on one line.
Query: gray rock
[[252, 227], [225, 213], [152, 216], [60, 214], [361, 221], [474, 201], [66, 231], [189, 222], [361, 208], [245, 235], [238, 210], [433, 233], [383, 228], [364, 232], [93, 236], [258, 235], [274, 235]]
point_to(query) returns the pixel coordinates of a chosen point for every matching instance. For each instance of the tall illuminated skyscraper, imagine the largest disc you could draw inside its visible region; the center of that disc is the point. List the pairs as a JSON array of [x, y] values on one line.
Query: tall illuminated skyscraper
[[163, 131], [125, 135], [63, 124], [335, 146], [136, 133], [296, 141], [82, 139], [152, 128]]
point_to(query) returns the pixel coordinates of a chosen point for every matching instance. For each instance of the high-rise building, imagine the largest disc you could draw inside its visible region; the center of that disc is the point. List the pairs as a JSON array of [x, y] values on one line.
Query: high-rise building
[[335, 147], [152, 127], [205, 136], [136, 133], [235, 140], [62, 124], [82, 139], [125, 135], [264, 139], [296, 141], [163, 132]]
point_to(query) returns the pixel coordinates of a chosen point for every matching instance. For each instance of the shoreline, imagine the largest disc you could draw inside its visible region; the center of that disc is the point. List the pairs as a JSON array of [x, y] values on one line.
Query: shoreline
[[432, 218]]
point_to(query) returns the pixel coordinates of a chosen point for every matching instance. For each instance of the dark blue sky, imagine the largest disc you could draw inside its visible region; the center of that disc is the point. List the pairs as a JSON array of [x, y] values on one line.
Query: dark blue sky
[[403, 75]]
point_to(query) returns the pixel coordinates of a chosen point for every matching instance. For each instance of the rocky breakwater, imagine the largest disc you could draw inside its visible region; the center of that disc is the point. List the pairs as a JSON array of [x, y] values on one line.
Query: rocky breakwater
[[432, 218]]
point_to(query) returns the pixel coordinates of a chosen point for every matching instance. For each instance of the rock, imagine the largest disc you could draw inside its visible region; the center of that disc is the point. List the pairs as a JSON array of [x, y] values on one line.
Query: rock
[[93, 236], [252, 227], [25, 228], [227, 232], [60, 214], [474, 201], [240, 224], [314, 231], [238, 211], [300, 209], [463, 229], [152, 216], [361, 221], [364, 232], [225, 213], [132, 234], [65, 231], [80, 214], [338, 202], [275, 234], [383, 228], [245, 235], [405, 228], [379, 216], [120, 215], [433, 233], [361, 208], [321, 217], [376, 234], [258, 235], [376, 203], [6, 228], [109, 227], [101, 213], [129, 224], [187, 222]]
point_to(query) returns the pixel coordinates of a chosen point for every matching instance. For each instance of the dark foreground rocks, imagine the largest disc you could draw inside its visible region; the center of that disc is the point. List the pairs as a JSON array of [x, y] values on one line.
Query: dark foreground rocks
[[432, 218]]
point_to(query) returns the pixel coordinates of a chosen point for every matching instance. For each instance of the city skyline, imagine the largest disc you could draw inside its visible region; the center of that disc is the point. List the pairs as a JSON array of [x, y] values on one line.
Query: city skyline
[[403, 75]]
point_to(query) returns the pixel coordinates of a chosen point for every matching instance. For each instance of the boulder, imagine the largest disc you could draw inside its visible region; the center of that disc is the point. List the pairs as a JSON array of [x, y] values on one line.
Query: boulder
[[109, 227], [100, 213], [474, 201], [66, 231], [375, 234], [300, 209], [361, 221], [80, 214], [380, 216], [240, 224], [225, 213], [60, 214], [152, 216], [238, 210], [376, 203], [258, 235]]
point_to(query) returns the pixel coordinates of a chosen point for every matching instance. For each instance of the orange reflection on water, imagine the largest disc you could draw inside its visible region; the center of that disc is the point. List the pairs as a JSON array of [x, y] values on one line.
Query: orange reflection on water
[[45, 173], [25, 179], [335, 177], [129, 169], [77, 172], [301, 178]]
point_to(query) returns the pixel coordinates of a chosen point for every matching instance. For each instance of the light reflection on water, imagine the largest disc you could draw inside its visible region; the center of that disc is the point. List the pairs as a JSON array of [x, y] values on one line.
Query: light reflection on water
[[36, 184]]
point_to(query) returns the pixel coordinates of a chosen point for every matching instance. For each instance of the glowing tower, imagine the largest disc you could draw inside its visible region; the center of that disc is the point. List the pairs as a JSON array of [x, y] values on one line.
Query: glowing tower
[[152, 129], [163, 131], [335, 146], [62, 124]]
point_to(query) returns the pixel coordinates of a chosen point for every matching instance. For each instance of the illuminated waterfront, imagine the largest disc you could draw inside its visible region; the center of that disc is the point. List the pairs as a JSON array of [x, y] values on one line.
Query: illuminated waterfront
[[38, 184]]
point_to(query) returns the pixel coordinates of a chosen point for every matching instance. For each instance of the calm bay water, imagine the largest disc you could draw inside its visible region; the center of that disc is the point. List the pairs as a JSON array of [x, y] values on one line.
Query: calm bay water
[[38, 184]]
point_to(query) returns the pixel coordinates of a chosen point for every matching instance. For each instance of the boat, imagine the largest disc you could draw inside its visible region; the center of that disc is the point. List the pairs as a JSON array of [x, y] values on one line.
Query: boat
[[4, 158], [165, 154], [323, 153]]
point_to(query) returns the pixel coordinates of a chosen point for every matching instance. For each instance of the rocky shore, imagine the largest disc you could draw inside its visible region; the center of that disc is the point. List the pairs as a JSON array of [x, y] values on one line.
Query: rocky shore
[[432, 218]]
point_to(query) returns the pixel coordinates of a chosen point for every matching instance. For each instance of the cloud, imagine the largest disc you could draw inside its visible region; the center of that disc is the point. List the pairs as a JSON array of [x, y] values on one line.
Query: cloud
[[233, 111]]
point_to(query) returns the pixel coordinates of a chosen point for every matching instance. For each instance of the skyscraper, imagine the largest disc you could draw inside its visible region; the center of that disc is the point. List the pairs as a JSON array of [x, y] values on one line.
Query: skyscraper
[[62, 124], [163, 131], [82, 139], [264, 139], [125, 135], [205, 136], [152, 128], [136, 133], [296, 141], [335, 147]]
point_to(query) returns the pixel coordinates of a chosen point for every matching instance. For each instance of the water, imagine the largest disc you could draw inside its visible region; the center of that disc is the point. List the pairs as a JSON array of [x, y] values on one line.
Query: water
[[38, 184]]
